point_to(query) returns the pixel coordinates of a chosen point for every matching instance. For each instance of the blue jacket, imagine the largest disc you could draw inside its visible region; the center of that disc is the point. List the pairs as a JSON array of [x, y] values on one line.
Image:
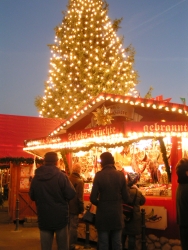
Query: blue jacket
[[51, 190]]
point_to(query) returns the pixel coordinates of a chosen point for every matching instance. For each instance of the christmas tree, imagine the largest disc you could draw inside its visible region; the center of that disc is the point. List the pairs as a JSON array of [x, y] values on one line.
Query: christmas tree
[[87, 59]]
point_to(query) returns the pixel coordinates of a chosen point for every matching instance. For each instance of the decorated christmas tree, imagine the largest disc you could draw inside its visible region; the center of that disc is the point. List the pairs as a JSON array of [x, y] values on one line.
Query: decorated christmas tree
[[87, 59]]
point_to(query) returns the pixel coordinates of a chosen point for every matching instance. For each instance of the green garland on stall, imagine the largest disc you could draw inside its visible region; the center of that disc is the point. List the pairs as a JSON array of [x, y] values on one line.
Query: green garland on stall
[[106, 145], [165, 158], [16, 160]]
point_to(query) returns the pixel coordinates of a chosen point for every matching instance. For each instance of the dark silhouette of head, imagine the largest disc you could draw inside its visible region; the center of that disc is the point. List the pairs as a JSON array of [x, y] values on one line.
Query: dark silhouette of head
[[106, 159], [51, 158], [182, 170]]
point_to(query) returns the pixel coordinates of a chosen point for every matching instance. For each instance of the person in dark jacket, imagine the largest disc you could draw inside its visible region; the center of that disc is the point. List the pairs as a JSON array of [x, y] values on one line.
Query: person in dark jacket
[[76, 205], [182, 201], [134, 226], [51, 190], [108, 191]]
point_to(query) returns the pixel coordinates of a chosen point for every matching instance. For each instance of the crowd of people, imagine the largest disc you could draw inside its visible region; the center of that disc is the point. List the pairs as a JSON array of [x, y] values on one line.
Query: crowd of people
[[59, 201]]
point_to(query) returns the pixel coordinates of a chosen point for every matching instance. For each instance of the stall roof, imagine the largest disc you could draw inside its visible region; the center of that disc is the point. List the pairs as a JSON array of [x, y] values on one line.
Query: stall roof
[[15, 129], [155, 109], [77, 131]]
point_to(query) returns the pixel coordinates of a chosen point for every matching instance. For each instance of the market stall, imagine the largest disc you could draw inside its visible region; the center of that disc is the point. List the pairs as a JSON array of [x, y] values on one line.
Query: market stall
[[146, 136], [16, 166]]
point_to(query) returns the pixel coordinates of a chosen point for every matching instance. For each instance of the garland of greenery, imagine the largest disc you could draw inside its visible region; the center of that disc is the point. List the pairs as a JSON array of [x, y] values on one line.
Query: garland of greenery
[[19, 160], [165, 158], [16, 160]]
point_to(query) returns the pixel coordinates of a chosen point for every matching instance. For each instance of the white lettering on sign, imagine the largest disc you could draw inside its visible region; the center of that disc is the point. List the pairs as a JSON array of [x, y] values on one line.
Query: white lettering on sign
[[105, 131], [165, 128]]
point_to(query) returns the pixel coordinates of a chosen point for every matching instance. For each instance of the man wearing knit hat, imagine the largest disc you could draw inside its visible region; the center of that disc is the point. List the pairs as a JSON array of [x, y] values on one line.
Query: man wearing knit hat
[[51, 190], [108, 191]]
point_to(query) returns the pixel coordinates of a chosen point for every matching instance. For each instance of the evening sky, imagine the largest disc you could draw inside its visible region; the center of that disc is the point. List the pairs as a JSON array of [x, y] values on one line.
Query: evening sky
[[157, 29]]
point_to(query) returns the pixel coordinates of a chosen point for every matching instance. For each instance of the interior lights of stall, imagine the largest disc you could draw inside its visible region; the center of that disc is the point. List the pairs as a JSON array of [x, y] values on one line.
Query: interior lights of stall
[[140, 134], [179, 135], [180, 110], [151, 133], [129, 134], [184, 134], [167, 108], [146, 134], [157, 134], [168, 134], [163, 134]]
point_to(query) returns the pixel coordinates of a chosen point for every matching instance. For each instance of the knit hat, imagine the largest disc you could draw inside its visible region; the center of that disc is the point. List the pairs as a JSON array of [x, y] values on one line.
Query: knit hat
[[133, 178], [106, 158], [51, 157]]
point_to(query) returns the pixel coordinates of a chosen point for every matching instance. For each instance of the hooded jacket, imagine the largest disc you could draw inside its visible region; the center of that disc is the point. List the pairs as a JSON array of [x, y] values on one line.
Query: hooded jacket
[[51, 190]]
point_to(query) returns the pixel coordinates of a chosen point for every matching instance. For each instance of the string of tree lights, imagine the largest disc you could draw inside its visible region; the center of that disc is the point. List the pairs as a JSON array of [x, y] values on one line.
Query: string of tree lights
[[87, 58]]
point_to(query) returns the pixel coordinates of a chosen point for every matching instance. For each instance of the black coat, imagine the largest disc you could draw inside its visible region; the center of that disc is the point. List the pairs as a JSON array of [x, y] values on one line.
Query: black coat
[[76, 205], [108, 191], [134, 227], [182, 204], [51, 190]]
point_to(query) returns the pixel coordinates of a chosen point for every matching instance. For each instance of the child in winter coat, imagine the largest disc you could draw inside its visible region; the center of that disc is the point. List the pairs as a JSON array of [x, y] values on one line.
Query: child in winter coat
[[134, 226]]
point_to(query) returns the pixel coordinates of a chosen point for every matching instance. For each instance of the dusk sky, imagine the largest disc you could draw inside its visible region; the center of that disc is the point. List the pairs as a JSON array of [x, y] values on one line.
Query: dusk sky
[[157, 29]]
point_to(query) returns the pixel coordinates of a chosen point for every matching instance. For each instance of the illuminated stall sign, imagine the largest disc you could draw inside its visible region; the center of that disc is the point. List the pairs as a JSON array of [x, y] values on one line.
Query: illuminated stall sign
[[90, 133], [42, 141], [112, 129], [156, 127], [94, 132]]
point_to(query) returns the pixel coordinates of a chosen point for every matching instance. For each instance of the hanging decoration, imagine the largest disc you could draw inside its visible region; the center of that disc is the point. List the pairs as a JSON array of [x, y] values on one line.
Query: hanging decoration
[[103, 116]]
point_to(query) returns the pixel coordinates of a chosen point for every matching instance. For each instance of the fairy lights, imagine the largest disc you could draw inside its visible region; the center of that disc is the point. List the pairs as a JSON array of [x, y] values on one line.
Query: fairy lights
[[87, 58]]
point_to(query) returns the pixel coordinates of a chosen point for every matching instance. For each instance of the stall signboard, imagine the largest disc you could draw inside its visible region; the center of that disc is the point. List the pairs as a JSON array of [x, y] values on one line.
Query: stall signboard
[[156, 127], [155, 217], [84, 134]]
